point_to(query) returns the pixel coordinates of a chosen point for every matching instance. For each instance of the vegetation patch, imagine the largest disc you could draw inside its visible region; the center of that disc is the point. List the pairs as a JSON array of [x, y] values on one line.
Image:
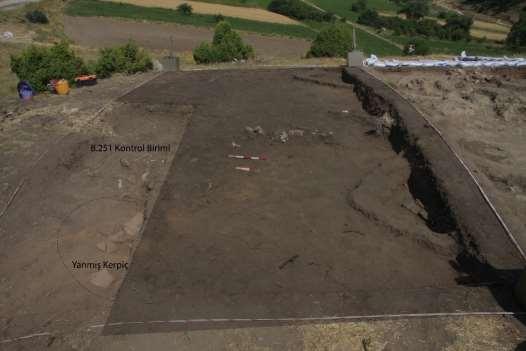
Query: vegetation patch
[[299, 10], [226, 46], [417, 46], [456, 27], [127, 59], [39, 65], [333, 41], [185, 9], [246, 3], [517, 37], [121, 10], [37, 16]]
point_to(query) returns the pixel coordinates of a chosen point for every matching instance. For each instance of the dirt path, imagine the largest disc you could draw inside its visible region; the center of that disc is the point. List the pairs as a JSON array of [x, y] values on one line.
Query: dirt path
[[103, 32], [249, 13]]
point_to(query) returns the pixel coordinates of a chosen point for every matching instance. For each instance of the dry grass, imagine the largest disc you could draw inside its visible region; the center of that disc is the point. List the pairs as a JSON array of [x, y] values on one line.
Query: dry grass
[[253, 14], [480, 33], [491, 26], [8, 79]]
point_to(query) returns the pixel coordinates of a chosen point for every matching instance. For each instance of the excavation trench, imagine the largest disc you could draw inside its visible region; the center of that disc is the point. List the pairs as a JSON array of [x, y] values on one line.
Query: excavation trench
[[336, 221], [440, 182]]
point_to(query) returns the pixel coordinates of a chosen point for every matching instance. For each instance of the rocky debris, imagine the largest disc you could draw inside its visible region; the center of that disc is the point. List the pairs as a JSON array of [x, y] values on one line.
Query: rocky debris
[[144, 177], [124, 163], [282, 136], [70, 111], [417, 208], [327, 138], [256, 130], [102, 278], [107, 246], [133, 226], [384, 124], [119, 237], [296, 132]]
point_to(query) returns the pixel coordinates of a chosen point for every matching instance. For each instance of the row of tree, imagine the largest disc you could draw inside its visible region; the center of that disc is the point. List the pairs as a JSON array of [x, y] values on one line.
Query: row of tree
[[456, 27]]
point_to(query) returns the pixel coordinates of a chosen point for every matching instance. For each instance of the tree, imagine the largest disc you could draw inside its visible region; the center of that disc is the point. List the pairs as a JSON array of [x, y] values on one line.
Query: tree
[[370, 18], [415, 9], [517, 35], [457, 27], [226, 46], [333, 41], [185, 9]]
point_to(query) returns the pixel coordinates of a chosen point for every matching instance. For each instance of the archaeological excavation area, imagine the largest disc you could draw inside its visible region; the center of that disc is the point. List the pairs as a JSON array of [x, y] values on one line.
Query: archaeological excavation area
[[338, 216]]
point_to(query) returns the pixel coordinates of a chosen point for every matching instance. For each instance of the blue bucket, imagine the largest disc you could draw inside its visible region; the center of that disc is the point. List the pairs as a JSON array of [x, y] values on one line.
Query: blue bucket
[[25, 91]]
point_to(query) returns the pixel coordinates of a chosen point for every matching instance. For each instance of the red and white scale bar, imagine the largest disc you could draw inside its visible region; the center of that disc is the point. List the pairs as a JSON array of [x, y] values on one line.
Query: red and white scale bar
[[244, 157]]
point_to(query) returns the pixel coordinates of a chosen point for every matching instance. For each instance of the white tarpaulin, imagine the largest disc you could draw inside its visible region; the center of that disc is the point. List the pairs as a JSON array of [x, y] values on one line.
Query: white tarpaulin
[[460, 61]]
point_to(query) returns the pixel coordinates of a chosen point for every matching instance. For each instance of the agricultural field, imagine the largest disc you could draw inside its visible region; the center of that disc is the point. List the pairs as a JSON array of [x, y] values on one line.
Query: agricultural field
[[253, 14], [93, 8], [343, 7], [246, 3], [484, 28]]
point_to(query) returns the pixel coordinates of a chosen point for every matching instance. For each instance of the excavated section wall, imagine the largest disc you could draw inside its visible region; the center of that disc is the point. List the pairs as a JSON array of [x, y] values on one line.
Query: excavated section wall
[[480, 230]]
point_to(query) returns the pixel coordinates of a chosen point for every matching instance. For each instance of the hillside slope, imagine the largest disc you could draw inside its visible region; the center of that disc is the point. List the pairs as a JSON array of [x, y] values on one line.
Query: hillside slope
[[500, 10]]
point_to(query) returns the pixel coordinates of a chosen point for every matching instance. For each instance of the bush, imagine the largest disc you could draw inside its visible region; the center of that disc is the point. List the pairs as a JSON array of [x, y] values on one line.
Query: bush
[[370, 18], [226, 46], [457, 27], [299, 10], [39, 65], [416, 46], [127, 59], [333, 41], [359, 6], [219, 18], [517, 35], [415, 9], [37, 16], [428, 27], [185, 9]]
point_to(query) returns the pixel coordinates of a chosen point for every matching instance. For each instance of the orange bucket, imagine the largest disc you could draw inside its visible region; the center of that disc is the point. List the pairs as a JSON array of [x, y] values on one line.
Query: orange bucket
[[62, 87]]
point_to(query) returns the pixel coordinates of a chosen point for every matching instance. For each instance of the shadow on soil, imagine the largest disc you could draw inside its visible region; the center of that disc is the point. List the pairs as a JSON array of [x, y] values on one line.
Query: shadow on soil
[[473, 270], [521, 346]]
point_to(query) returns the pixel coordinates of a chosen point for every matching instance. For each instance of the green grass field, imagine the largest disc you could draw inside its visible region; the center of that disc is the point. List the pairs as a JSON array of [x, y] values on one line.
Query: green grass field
[[247, 3], [456, 47], [343, 7], [112, 9]]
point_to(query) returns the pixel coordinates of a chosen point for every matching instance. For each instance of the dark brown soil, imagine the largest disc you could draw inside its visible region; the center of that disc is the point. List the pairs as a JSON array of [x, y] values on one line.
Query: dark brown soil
[[334, 223], [328, 225]]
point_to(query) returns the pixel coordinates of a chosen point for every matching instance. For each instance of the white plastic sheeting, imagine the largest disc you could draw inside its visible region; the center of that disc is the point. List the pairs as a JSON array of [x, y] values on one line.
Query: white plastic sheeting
[[460, 61]]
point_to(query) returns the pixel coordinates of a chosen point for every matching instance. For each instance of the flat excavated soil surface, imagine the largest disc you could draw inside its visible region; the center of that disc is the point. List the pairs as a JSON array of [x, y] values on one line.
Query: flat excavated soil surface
[[335, 222]]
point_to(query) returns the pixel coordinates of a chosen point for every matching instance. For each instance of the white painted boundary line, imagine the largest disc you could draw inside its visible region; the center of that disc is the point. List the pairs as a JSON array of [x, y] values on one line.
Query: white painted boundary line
[[305, 319], [21, 338], [473, 177], [314, 319]]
